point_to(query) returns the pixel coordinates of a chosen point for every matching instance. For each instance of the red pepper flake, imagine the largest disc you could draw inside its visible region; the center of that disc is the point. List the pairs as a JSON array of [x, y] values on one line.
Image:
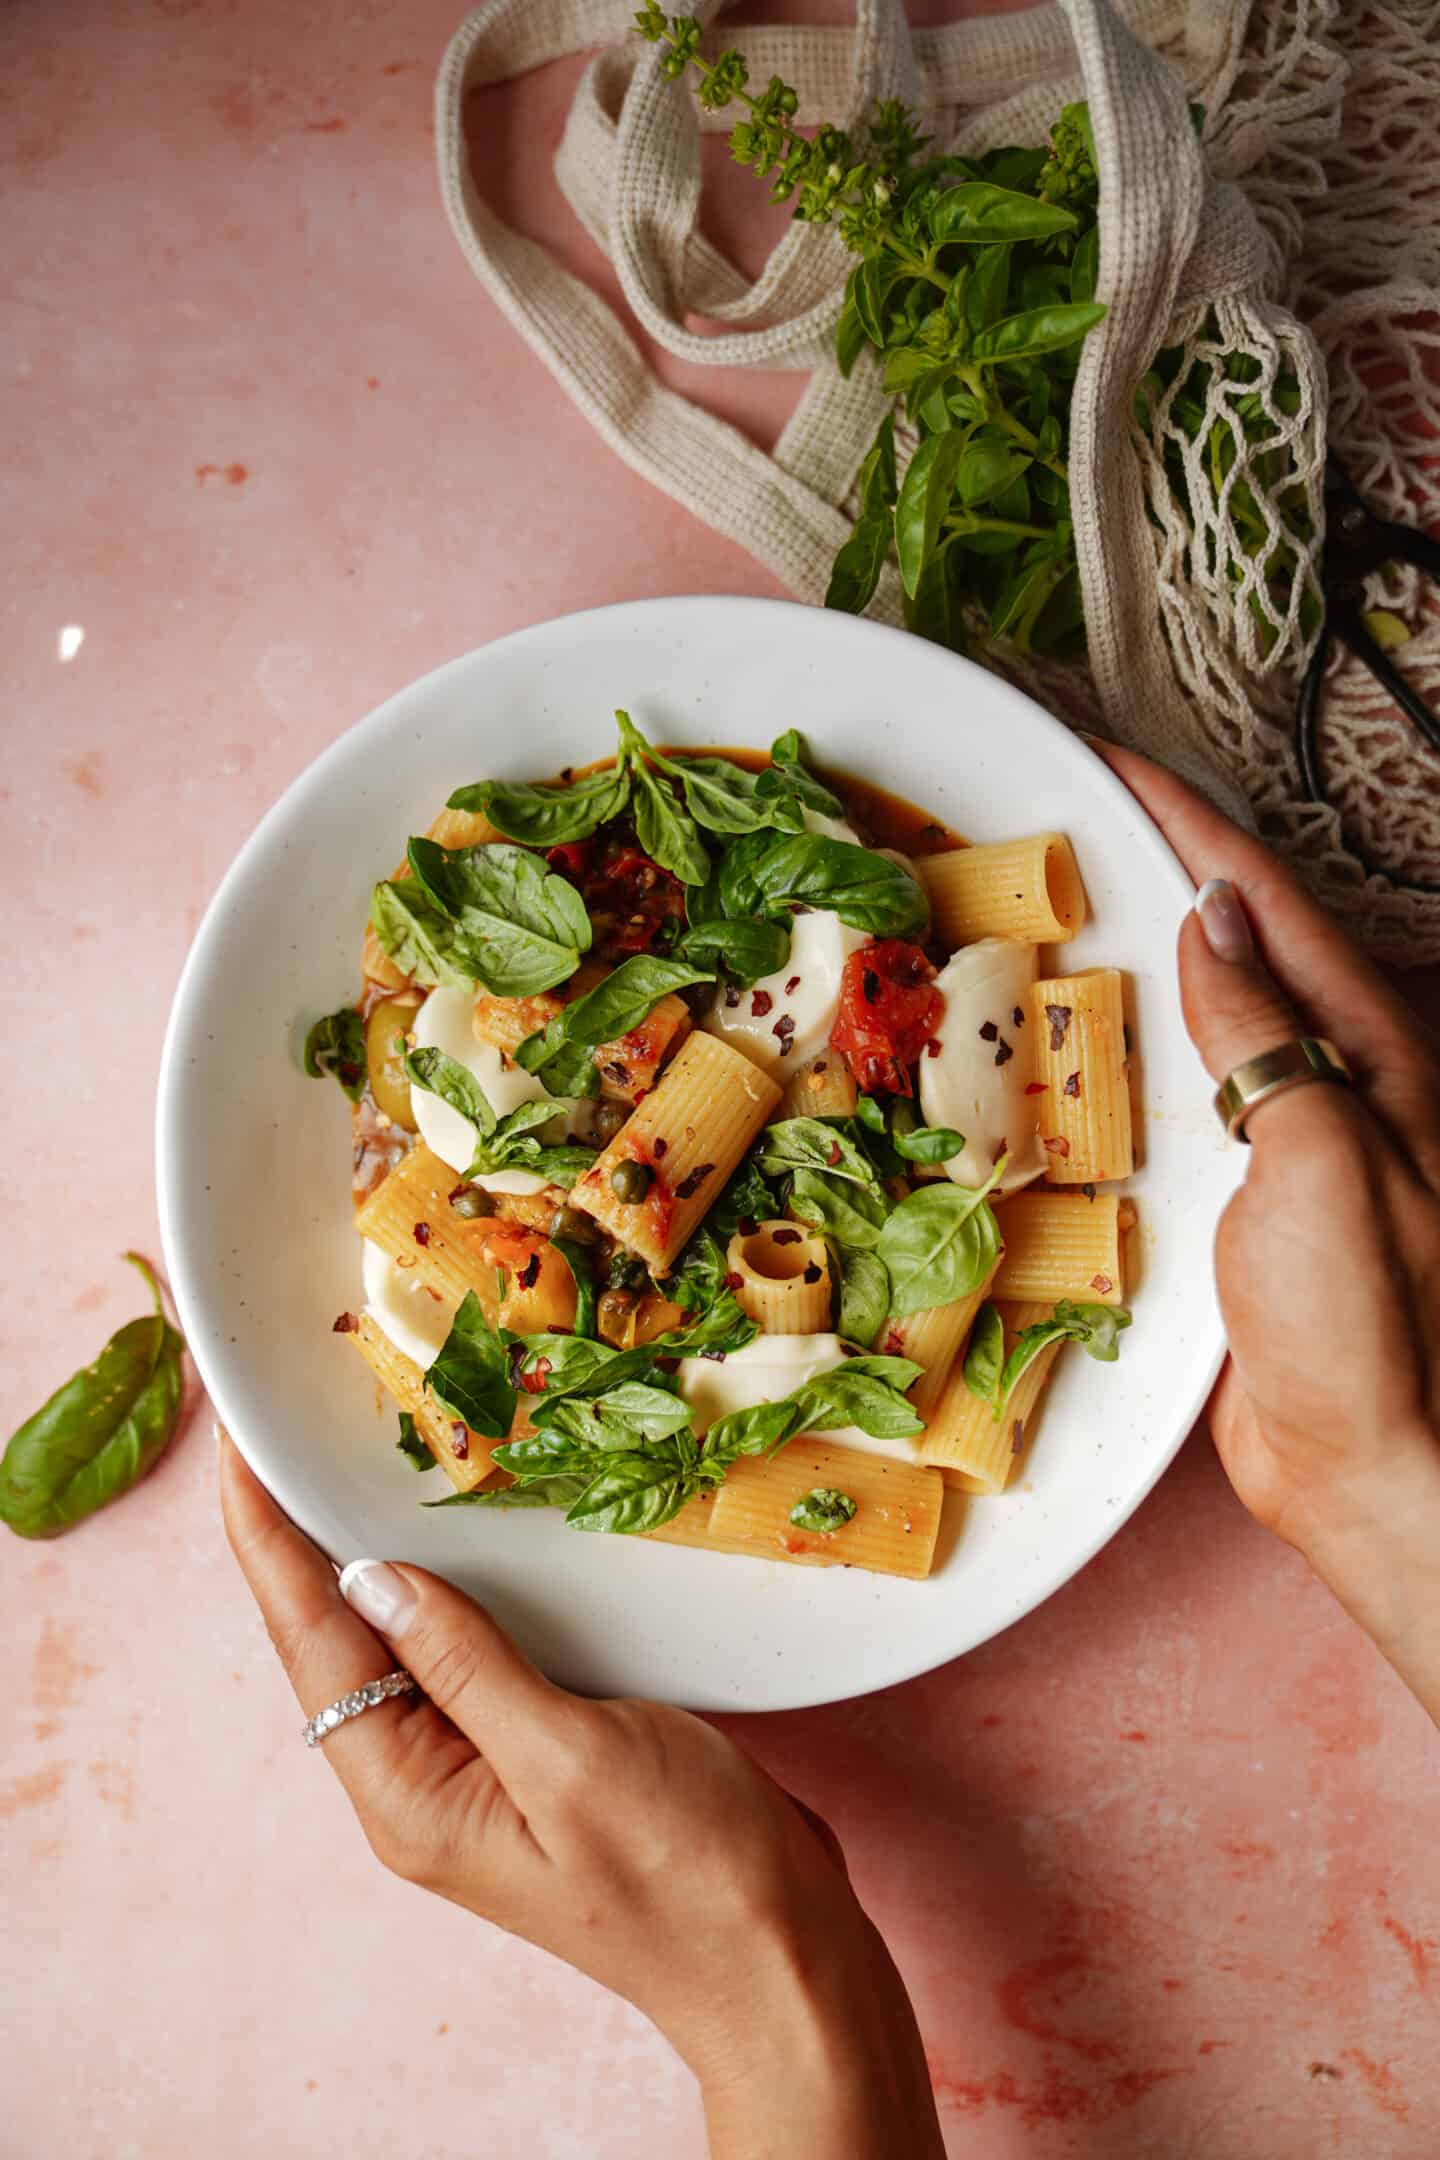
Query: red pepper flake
[[747, 1225], [933, 1047], [792, 986], [460, 1440], [819, 1065], [760, 1003], [639, 1096], [894, 1343], [1059, 1019], [716, 1357], [1059, 1145], [989, 1032], [732, 998], [732, 1281], [835, 1154], [347, 1324], [1072, 1084], [530, 1273], [1089, 1191], [1002, 1147], [533, 1382], [1003, 1052], [689, 1186], [1017, 1434], [1036, 1087], [784, 1030], [1017, 1017], [661, 1148], [614, 1070], [421, 1233], [812, 1273], [786, 1237], [1102, 1284]]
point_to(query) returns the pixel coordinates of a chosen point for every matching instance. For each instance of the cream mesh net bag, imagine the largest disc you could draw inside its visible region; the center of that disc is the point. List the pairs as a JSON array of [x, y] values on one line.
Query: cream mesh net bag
[[1304, 231]]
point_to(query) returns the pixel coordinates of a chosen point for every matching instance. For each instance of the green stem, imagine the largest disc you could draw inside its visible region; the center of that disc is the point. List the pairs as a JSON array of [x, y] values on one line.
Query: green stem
[[976, 384], [913, 264]]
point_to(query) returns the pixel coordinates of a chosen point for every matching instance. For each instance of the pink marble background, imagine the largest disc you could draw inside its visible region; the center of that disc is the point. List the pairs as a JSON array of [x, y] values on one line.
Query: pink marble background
[[1158, 1865]]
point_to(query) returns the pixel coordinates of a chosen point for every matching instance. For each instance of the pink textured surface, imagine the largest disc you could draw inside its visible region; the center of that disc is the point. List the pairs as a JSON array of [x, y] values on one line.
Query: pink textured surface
[[1158, 1865]]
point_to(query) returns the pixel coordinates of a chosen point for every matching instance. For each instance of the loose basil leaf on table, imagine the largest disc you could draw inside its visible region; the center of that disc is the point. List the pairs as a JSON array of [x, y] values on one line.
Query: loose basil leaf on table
[[100, 1432], [548, 816], [823, 1509], [939, 1244], [864, 1295], [411, 1446], [471, 1375], [517, 927], [335, 1049]]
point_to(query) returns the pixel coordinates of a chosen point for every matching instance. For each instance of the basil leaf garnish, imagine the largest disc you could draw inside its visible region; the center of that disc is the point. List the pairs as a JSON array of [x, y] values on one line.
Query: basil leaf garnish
[[851, 1214], [629, 1416], [624, 1000], [418, 936], [939, 1244], [1095, 1327], [823, 1509], [985, 1357], [864, 1295], [866, 890], [559, 1491], [471, 1375], [665, 830], [100, 1432], [578, 1259], [545, 817], [516, 927], [635, 1492], [335, 1048], [807, 1143], [506, 1143], [747, 950], [411, 1446]]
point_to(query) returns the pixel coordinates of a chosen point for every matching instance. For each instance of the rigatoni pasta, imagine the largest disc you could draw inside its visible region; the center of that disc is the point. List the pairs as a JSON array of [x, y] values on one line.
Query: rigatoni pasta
[[781, 1278], [974, 1450], [933, 1338], [893, 1529], [1028, 889], [1082, 1064], [1059, 1246], [464, 1456]]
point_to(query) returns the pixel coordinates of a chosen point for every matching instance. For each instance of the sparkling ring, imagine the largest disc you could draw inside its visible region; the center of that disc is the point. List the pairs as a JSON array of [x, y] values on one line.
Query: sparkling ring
[[1291, 1065], [359, 1699]]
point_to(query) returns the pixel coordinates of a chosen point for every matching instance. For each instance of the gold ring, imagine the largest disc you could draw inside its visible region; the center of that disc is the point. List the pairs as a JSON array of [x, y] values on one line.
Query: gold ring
[[1291, 1065]]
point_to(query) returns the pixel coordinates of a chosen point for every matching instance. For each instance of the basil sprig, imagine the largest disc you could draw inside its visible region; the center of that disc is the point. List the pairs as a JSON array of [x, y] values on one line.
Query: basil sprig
[[501, 1143], [335, 1049], [1095, 1327], [624, 1000], [492, 915], [100, 1432]]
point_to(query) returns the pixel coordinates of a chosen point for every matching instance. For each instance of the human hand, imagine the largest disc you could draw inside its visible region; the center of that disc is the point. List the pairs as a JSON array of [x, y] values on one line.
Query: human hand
[[630, 1839], [1327, 1415]]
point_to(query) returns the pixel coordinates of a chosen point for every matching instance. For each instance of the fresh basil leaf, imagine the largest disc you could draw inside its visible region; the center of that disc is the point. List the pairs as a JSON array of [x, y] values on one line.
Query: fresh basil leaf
[[878, 486], [848, 1396], [855, 572], [866, 890], [100, 1432], [760, 1429], [852, 1214], [987, 286], [806, 1143], [700, 1276], [719, 795], [418, 936], [454, 1083], [1085, 265], [573, 1363], [1036, 330], [985, 1358], [568, 1067], [735, 885], [1095, 1327], [746, 1198], [545, 817], [864, 1295], [939, 1244], [849, 335], [747, 950], [635, 1492], [789, 770], [925, 497], [335, 1047], [517, 927], [557, 1165], [624, 1000], [471, 1375], [896, 1372], [928, 1143], [578, 1259], [633, 1415], [665, 831], [823, 1509], [985, 470], [723, 1325], [563, 1490], [411, 1446], [977, 212]]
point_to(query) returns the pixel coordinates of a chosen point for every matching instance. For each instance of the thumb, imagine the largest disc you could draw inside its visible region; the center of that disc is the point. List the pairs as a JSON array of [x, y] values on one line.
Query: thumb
[[465, 1662], [1234, 1008]]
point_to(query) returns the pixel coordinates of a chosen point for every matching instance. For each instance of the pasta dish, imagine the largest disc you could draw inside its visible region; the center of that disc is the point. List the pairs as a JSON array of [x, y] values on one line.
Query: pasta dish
[[732, 1158]]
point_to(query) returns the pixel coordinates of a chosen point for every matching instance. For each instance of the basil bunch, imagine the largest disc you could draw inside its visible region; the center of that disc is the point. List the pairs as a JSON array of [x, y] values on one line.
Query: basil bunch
[[501, 1143], [100, 1432]]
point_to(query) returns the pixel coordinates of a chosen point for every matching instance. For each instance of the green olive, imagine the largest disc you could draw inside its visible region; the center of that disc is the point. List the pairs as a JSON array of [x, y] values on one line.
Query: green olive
[[389, 1082], [572, 1222], [630, 1181]]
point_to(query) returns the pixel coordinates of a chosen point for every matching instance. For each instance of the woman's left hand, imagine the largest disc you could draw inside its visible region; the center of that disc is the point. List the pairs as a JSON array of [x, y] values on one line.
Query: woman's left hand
[[630, 1839]]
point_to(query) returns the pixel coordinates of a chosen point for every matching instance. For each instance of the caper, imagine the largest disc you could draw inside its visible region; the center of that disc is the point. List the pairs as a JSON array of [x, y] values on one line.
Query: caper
[[630, 1181], [627, 1271], [572, 1222], [469, 1202], [609, 1117]]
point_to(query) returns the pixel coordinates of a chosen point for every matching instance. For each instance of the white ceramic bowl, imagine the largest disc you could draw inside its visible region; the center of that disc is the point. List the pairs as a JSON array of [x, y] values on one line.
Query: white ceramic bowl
[[254, 1158]]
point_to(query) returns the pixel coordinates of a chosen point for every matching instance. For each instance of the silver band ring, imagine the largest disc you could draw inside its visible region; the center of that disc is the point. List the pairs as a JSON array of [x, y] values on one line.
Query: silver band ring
[[354, 1704], [1290, 1065]]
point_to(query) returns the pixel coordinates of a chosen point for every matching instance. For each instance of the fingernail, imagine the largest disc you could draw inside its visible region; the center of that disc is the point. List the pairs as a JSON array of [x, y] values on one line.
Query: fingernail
[[380, 1594], [1223, 919]]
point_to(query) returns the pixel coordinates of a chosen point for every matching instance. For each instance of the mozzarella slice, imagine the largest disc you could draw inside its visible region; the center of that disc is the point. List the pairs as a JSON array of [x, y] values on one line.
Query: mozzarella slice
[[402, 1308], [445, 1022], [820, 944], [767, 1369], [984, 986]]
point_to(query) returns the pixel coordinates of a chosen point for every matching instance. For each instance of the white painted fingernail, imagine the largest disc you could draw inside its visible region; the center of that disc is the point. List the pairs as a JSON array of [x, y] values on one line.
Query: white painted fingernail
[[1224, 921], [380, 1594]]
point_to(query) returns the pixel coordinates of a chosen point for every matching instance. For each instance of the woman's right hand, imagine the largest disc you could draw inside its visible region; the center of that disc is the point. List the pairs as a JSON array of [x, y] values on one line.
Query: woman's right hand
[[1327, 1416]]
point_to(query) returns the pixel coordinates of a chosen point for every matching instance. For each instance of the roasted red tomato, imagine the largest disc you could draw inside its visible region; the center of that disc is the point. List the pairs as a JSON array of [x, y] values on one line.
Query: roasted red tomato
[[889, 1009], [631, 900]]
